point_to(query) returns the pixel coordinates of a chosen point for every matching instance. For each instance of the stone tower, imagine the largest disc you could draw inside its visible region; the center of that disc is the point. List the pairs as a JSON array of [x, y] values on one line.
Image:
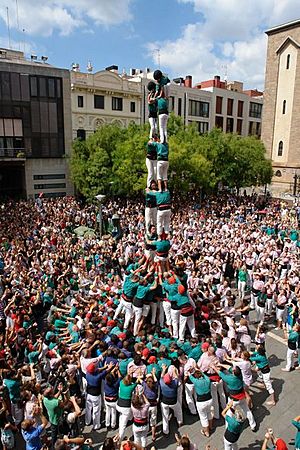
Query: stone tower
[[281, 111]]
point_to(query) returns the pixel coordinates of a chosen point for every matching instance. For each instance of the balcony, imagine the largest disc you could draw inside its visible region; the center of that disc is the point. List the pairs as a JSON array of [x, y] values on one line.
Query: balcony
[[13, 153]]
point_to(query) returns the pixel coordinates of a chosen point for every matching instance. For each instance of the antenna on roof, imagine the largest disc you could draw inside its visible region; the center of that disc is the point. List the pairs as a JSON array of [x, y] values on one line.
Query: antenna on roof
[[18, 23], [157, 50], [224, 67], [8, 27]]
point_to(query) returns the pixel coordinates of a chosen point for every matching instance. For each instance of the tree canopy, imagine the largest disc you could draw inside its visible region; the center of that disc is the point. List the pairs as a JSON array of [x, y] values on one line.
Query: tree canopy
[[113, 160]]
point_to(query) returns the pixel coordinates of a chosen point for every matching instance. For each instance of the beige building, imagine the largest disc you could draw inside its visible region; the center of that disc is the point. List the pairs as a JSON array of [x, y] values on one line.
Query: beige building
[[212, 103], [281, 116], [102, 98], [35, 127]]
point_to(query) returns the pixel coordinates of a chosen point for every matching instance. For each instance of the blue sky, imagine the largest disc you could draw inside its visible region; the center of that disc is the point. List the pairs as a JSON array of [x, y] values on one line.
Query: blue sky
[[198, 37]]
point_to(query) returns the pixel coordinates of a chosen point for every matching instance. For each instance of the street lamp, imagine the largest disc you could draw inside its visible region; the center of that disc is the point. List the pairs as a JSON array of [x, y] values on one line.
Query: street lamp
[[100, 198]]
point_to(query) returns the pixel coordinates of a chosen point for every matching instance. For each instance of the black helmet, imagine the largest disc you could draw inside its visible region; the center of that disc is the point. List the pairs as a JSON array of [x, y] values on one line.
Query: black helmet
[[151, 86], [157, 75]]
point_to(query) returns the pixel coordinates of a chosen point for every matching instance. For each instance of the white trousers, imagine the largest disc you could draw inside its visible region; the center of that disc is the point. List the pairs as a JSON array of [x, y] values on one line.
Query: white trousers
[[119, 309], [125, 416], [150, 217], [153, 416], [162, 170], [205, 412], [175, 322], [260, 314], [153, 127], [153, 309], [253, 301], [167, 311], [269, 306], [163, 221], [190, 397], [241, 289], [289, 359], [267, 382], [138, 312], [246, 410], [230, 446], [151, 165], [128, 313], [218, 395], [93, 410], [163, 123], [110, 414], [140, 435], [165, 410], [186, 322]]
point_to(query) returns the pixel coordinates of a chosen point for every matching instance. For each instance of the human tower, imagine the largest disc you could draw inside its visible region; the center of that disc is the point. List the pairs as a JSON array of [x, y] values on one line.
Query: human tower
[[158, 199]]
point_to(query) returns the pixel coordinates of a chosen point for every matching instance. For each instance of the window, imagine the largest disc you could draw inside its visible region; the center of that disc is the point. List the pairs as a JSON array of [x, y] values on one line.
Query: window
[[50, 186], [42, 87], [179, 105], [258, 129], [288, 60], [229, 125], [171, 103], [283, 106], [11, 127], [219, 101], [240, 108], [202, 127], [229, 106], [250, 130], [255, 110], [132, 107], [219, 122], [200, 109], [99, 101], [80, 101], [50, 176], [117, 104], [280, 149], [239, 126], [51, 87], [81, 134]]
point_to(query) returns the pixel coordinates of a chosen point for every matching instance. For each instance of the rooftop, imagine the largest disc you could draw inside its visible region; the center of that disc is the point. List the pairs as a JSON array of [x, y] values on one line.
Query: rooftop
[[283, 27]]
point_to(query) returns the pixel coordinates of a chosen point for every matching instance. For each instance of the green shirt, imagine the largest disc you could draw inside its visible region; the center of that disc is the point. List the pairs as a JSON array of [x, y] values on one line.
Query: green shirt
[[53, 409], [202, 385], [297, 438], [233, 425], [162, 246], [125, 391], [123, 364], [13, 387], [130, 288], [163, 198], [260, 360], [242, 276], [233, 382]]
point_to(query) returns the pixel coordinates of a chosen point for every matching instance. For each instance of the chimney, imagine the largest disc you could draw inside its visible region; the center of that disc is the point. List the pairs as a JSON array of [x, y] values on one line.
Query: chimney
[[217, 81], [188, 81], [112, 68]]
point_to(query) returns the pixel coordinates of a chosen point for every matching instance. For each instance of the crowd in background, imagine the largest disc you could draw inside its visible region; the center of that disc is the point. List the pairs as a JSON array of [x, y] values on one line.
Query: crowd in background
[[92, 334]]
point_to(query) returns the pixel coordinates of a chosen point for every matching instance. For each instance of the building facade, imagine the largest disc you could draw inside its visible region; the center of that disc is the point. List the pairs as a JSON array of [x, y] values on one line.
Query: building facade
[[212, 103], [35, 127], [281, 131], [102, 98]]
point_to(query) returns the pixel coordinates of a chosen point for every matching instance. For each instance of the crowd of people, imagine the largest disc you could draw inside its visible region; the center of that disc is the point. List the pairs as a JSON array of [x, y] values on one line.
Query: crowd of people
[[102, 332], [149, 322]]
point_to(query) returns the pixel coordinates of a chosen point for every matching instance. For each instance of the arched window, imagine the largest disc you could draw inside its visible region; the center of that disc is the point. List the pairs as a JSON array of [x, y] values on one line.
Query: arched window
[[283, 106], [280, 148], [278, 173], [288, 60]]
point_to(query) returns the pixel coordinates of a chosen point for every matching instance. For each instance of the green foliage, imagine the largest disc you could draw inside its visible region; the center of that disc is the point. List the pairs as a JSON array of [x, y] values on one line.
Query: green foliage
[[113, 160]]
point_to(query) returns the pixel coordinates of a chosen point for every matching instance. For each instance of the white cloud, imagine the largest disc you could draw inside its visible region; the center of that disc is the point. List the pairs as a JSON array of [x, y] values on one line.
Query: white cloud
[[227, 36], [64, 16]]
